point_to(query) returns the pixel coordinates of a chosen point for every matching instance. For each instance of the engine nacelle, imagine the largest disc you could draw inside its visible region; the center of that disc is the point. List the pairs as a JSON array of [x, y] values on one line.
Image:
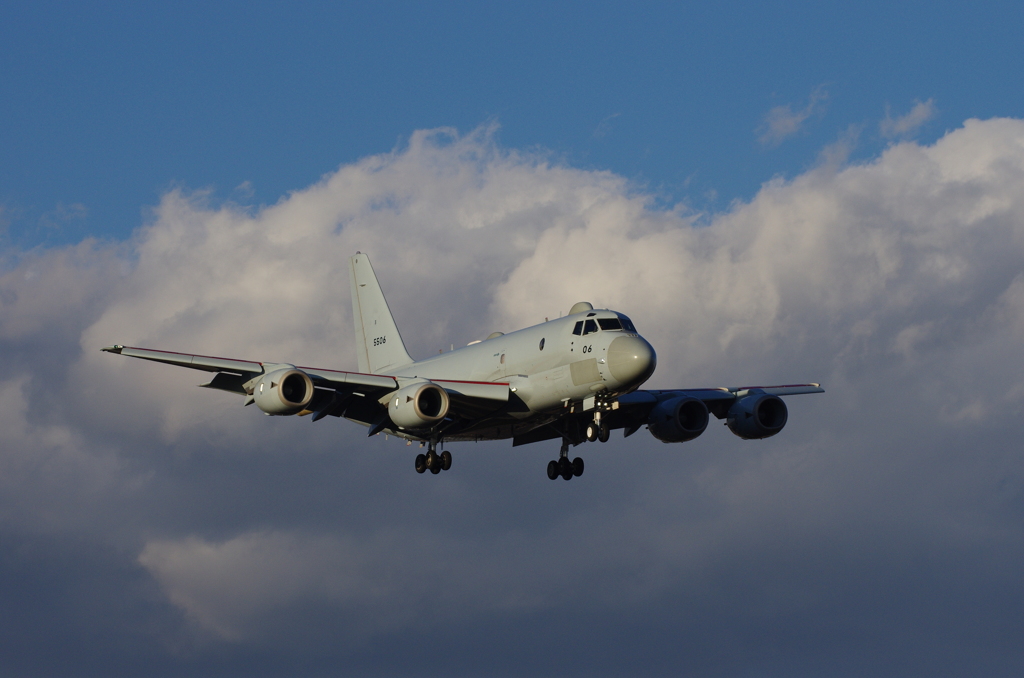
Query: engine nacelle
[[678, 420], [757, 416], [418, 406], [284, 391]]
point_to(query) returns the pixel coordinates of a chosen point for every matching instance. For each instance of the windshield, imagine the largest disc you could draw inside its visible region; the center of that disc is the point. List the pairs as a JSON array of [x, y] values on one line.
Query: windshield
[[627, 324]]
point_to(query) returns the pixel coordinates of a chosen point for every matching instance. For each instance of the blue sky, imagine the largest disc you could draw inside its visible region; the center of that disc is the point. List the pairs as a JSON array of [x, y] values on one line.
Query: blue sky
[[106, 107], [774, 193]]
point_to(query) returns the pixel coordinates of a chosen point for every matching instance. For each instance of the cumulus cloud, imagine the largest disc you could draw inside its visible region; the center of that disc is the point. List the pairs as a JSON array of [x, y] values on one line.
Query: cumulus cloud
[[903, 125], [889, 506], [782, 122]]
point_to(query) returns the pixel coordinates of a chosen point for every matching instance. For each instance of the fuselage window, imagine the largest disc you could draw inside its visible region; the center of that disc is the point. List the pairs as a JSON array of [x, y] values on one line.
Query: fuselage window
[[578, 329], [588, 327], [542, 344], [609, 323], [627, 324]]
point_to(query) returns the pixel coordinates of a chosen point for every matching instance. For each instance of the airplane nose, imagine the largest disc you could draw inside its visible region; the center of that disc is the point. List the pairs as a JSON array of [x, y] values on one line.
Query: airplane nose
[[631, 360]]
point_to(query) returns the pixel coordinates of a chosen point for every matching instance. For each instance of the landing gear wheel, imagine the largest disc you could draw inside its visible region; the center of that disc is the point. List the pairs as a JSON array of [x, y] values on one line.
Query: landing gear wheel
[[446, 460], [553, 469], [603, 432], [577, 466], [565, 468], [435, 469], [592, 432], [421, 463]]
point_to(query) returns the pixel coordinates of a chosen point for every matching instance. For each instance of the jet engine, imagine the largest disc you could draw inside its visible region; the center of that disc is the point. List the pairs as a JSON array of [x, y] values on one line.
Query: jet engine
[[418, 406], [284, 391], [757, 416], [678, 420]]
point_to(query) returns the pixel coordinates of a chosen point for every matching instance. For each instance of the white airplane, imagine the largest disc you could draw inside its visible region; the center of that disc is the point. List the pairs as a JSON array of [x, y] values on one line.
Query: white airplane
[[573, 379]]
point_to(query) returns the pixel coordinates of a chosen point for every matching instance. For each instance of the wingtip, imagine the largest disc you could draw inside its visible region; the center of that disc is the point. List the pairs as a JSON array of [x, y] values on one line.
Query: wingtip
[[116, 348]]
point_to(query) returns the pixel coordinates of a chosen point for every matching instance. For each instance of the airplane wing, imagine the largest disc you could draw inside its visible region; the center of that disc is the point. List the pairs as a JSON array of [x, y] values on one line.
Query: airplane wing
[[636, 406], [632, 411], [352, 395]]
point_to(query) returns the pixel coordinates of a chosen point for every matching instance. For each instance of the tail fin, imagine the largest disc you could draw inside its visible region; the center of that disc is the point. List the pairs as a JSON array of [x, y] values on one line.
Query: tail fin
[[378, 342]]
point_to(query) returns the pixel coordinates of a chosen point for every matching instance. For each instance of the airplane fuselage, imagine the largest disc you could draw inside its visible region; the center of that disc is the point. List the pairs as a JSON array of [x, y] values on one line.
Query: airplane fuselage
[[548, 367]]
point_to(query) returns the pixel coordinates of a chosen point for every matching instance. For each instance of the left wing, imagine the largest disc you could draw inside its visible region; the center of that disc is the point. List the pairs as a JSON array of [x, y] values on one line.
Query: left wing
[[635, 408]]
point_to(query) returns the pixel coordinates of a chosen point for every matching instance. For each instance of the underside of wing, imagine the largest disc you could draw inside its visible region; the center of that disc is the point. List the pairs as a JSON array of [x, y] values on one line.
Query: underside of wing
[[362, 398], [332, 390]]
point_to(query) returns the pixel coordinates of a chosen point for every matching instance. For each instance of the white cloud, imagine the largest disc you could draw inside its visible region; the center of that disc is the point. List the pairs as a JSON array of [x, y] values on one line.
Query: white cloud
[[897, 283], [922, 112], [782, 122]]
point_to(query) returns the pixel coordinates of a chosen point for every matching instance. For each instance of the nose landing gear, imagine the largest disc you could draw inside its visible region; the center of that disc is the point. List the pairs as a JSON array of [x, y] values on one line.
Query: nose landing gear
[[598, 429]]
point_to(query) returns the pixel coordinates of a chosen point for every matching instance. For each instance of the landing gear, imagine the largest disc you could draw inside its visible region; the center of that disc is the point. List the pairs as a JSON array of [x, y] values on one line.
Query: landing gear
[[598, 429], [563, 467], [432, 461]]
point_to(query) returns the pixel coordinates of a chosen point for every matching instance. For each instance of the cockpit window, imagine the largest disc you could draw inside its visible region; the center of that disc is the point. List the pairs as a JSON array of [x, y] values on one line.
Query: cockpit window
[[627, 324], [609, 323], [578, 329], [589, 327]]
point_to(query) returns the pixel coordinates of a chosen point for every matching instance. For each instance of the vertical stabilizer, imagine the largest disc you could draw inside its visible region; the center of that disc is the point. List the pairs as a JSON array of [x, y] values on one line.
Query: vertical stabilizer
[[378, 342]]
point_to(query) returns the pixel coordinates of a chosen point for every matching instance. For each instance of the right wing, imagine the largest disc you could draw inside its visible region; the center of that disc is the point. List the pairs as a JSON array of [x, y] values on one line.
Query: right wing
[[352, 395]]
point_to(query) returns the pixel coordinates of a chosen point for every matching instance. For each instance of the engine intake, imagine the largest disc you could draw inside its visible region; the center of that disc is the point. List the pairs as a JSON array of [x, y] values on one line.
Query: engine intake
[[283, 392], [418, 406], [678, 420], [757, 416]]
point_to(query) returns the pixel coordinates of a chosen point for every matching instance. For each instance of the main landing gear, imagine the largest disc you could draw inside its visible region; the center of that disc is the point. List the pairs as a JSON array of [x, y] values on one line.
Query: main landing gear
[[595, 430], [433, 461], [563, 467]]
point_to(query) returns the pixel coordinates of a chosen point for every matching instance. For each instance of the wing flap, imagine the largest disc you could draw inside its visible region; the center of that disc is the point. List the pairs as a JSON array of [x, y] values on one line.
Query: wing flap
[[483, 390], [371, 383], [789, 389], [224, 381]]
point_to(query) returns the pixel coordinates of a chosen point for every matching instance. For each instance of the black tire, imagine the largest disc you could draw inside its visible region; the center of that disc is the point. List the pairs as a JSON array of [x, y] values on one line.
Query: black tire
[[433, 461], [435, 469], [577, 466], [565, 468], [603, 432], [592, 432], [446, 460], [553, 469], [421, 463]]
